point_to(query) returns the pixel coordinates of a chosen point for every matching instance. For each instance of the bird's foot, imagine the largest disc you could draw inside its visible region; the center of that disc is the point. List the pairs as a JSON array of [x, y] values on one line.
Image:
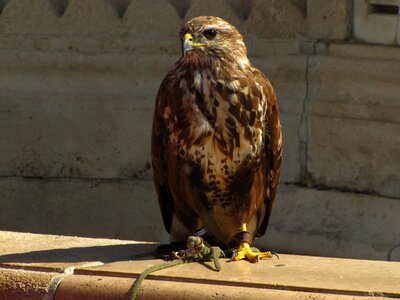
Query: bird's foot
[[244, 251]]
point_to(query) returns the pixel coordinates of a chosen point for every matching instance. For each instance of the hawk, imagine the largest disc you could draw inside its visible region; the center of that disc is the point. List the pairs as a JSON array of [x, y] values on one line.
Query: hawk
[[216, 140]]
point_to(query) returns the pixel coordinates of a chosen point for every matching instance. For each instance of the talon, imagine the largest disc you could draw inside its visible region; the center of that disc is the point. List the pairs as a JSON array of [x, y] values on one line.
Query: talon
[[245, 252], [266, 254], [276, 254]]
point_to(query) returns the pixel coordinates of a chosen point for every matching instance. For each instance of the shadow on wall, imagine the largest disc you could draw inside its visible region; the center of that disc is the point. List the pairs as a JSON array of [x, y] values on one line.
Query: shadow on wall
[[123, 209]]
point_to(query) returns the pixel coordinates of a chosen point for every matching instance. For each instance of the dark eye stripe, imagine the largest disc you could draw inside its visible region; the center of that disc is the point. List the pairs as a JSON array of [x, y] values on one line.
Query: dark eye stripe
[[210, 33]]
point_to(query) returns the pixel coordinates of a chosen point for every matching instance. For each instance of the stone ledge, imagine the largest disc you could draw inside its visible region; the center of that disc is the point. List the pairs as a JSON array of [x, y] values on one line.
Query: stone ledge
[[106, 287], [102, 269], [22, 284]]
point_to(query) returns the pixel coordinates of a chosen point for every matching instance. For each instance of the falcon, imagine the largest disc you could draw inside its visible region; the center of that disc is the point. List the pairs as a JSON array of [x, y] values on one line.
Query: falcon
[[216, 140]]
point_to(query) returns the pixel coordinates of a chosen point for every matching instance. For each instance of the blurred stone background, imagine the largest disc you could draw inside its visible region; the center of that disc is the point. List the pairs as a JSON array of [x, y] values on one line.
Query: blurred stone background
[[78, 79]]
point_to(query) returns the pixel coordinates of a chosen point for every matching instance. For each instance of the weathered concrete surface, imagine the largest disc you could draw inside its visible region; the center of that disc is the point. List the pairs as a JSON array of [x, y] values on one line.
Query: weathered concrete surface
[[276, 19], [288, 74], [291, 169], [77, 86], [220, 8], [353, 124], [137, 18], [351, 162], [61, 143], [329, 20], [30, 285], [159, 19], [52, 119], [41, 17], [357, 51], [56, 106], [369, 81]]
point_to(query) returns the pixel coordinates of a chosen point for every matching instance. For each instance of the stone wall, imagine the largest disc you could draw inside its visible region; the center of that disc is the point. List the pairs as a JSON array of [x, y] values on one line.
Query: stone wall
[[78, 80]]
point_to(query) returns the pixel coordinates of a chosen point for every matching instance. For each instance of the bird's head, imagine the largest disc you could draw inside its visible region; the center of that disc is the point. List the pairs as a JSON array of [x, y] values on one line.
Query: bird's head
[[212, 37]]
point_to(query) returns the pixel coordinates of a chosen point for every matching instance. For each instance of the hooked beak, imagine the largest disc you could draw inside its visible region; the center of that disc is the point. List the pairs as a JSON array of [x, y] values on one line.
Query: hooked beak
[[189, 44]]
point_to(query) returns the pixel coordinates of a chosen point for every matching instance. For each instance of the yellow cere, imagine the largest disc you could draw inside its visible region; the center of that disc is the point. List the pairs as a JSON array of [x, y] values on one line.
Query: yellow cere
[[188, 37]]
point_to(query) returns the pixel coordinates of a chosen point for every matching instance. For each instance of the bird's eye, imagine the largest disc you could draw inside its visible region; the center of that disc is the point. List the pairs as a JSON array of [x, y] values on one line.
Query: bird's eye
[[210, 33]]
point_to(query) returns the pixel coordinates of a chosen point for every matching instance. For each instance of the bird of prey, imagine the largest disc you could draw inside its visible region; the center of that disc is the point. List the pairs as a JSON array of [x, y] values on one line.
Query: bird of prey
[[216, 140]]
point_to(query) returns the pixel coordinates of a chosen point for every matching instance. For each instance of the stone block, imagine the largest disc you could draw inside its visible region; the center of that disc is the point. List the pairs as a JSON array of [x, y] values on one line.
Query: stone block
[[75, 143], [355, 154], [291, 148], [78, 115], [376, 21], [276, 19], [354, 112], [90, 17], [29, 17], [332, 223], [267, 47], [18, 283], [160, 19], [371, 84], [95, 208], [330, 20], [288, 75], [218, 8]]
